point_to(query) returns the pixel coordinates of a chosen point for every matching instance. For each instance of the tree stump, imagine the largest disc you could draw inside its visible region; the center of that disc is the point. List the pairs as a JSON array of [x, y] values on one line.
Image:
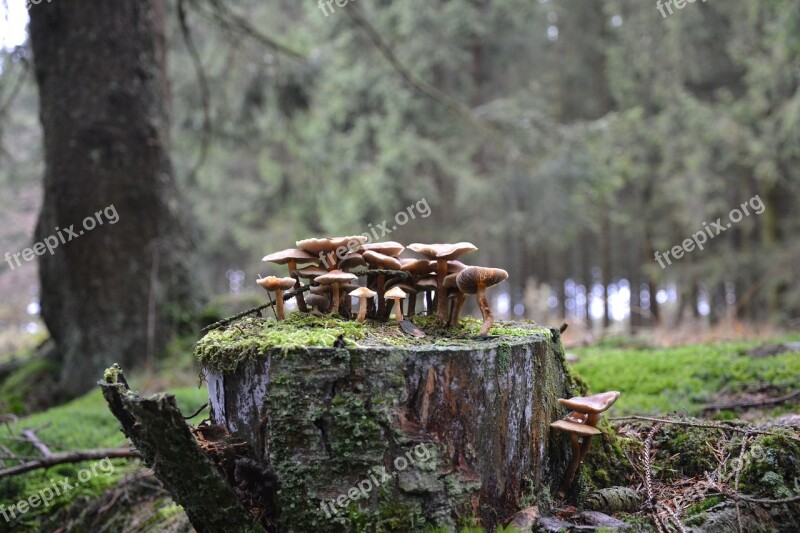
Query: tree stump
[[427, 432]]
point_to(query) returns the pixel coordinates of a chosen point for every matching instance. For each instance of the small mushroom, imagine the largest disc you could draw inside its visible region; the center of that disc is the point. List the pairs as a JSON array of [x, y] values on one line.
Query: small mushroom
[[293, 256], [581, 423], [457, 295], [362, 293], [318, 302], [442, 253], [381, 261], [475, 280], [428, 285], [277, 285], [335, 278], [396, 294]]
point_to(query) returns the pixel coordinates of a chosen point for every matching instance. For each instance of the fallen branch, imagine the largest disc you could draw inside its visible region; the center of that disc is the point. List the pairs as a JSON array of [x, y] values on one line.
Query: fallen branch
[[723, 427], [68, 457], [760, 403], [31, 437]]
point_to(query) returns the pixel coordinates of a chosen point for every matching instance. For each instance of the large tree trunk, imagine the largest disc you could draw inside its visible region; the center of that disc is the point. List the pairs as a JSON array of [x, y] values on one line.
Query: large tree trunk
[[111, 294]]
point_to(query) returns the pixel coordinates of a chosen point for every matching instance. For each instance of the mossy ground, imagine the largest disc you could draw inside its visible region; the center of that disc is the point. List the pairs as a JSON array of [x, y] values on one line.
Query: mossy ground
[[683, 379], [250, 338], [85, 423]]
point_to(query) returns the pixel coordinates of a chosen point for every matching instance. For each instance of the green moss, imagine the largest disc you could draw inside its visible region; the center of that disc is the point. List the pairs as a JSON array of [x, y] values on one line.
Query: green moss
[[682, 379], [503, 358], [252, 338], [30, 388], [111, 374], [704, 505]]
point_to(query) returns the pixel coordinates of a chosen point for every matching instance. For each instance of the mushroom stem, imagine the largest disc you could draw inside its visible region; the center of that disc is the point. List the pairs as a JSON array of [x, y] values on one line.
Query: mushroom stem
[[362, 310], [301, 301], [483, 303], [455, 310], [441, 294], [429, 302], [398, 310], [279, 304], [412, 304], [381, 281], [336, 299], [573, 464]]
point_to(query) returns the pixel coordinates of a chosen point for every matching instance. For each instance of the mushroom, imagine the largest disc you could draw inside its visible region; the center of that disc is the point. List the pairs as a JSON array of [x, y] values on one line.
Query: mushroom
[[396, 294], [318, 302], [277, 285], [428, 285], [350, 261], [386, 248], [331, 248], [410, 291], [379, 260], [475, 280], [293, 256], [457, 295], [581, 423], [442, 253], [335, 278], [362, 293]]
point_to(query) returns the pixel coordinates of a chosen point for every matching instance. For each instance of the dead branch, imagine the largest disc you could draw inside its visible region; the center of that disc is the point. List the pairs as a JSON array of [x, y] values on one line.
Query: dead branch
[[68, 457], [722, 427], [31, 437], [760, 403]]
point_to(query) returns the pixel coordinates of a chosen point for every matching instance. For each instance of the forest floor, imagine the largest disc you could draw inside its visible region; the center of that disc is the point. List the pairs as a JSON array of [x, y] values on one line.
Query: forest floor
[[715, 383]]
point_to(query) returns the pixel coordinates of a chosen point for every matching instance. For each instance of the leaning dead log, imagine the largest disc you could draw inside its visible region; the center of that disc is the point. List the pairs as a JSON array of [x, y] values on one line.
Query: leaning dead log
[[157, 429]]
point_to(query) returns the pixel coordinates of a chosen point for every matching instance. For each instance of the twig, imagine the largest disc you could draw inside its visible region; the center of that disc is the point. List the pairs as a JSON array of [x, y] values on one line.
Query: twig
[[68, 457], [196, 412], [286, 297], [724, 427], [736, 482], [31, 437], [648, 477], [761, 403]]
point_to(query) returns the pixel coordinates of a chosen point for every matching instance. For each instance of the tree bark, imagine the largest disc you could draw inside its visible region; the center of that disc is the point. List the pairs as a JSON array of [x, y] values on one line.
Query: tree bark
[[331, 422], [113, 293]]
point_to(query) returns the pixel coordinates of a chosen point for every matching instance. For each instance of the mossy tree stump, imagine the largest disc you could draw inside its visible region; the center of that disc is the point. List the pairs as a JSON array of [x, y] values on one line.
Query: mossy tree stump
[[390, 432]]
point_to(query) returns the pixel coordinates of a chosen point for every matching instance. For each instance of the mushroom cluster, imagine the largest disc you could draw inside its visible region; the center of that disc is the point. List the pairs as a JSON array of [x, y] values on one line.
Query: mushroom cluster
[[331, 279], [581, 425]]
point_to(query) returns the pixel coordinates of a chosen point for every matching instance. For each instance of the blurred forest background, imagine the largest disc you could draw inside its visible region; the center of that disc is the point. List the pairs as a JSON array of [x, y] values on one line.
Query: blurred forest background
[[568, 139]]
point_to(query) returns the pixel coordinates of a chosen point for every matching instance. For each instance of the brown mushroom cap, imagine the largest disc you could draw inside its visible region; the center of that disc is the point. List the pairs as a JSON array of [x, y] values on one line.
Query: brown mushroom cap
[[351, 261], [381, 260], [428, 284], [395, 293], [310, 272], [450, 281], [594, 404], [335, 275], [386, 248], [285, 256], [576, 429], [272, 283], [418, 267], [363, 292], [443, 251], [329, 244], [408, 289], [321, 289], [317, 300], [455, 266], [469, 278]]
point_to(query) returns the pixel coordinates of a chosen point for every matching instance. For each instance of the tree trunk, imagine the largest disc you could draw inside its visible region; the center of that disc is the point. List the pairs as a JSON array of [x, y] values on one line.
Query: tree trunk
[[111, 294], [414, 436]]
